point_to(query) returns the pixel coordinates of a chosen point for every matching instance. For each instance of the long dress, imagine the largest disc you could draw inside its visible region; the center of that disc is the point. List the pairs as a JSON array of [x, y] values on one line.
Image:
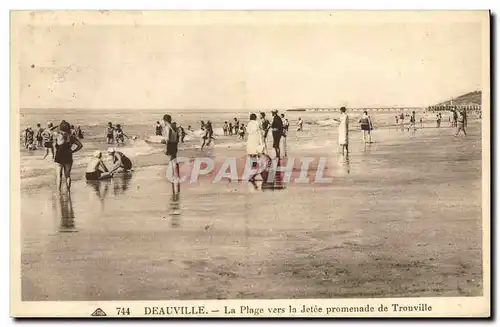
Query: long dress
[[344, 129], [254, 140]]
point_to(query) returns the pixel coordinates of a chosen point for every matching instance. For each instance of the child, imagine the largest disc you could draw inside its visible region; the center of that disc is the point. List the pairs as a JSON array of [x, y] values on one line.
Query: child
[[242, 131], [120, 134]]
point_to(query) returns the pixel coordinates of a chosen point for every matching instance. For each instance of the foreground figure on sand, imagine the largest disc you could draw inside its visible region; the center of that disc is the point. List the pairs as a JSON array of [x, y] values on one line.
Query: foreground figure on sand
[[255, 147], [96, 169], [461, 122], [64, 152], [171, 137], [277, 129], [366, 127], [344, 131], [120, 161]]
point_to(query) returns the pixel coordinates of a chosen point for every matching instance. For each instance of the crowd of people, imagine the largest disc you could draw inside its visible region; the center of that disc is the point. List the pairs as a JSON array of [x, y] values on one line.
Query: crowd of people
[[64, 139]]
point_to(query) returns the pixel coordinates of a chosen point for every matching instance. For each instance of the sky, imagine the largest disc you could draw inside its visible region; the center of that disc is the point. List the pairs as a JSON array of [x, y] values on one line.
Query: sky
[[247, 66]]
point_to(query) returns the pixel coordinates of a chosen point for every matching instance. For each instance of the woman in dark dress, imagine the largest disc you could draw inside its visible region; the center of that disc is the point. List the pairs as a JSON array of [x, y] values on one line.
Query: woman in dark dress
[[64, 152]]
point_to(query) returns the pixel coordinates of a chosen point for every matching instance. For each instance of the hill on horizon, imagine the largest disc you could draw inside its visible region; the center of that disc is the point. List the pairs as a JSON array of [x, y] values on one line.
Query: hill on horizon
[[467, 99]]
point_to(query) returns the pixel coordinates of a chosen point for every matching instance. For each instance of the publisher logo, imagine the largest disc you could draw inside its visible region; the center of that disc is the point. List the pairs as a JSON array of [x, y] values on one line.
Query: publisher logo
[[98, 313]]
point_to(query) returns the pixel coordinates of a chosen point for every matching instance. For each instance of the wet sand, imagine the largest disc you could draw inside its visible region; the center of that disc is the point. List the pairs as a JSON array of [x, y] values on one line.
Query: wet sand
[[401, 218]]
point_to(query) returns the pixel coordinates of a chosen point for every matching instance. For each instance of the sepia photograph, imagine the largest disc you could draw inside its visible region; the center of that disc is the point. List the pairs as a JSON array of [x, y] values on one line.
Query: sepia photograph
[[316, 160]]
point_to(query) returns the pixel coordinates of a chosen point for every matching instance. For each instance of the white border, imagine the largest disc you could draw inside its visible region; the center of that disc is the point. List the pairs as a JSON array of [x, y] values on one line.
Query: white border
[[214, 4]]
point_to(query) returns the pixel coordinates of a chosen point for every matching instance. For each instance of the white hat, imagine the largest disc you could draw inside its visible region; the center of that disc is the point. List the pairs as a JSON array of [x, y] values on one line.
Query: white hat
[[97, 153], [111, 150]]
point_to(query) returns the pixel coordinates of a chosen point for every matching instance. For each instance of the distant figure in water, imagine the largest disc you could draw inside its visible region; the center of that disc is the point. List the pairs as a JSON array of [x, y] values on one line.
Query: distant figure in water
[[181, 132], [397, 120], [402, 121], [299, 124], [64, 152], [230, 129], [277, 130], [344, 131], [202, 125], [79, 133], [158, 129], [39, 131], [242, 131], [29, 135], [110, 133], [96, 169], [421, 122], [286, 125], [461, 122], [236, 126], [208, 136], [438, 120], [120, 161], [48, 140], [412, 122], [366, 127], [224, 128], [120, 134], [190, 129]]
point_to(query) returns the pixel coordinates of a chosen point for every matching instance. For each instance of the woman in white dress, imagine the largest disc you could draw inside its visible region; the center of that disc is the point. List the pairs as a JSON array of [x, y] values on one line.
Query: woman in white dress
[[255, 144], [344, 131]]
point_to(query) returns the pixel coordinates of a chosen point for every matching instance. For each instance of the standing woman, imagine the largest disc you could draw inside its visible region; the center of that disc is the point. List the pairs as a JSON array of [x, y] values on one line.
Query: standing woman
[[64, 152], [255, 144], [366, 127], [344, 131]]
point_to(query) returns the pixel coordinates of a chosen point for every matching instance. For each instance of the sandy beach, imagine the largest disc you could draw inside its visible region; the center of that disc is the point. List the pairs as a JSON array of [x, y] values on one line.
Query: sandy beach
[[402, 217]]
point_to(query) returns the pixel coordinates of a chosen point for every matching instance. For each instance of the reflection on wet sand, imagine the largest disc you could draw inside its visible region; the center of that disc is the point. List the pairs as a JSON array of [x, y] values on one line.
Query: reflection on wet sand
[[67, 214], [275, 184], [174, 212], [121, 183], [344, 165], [101, 188]]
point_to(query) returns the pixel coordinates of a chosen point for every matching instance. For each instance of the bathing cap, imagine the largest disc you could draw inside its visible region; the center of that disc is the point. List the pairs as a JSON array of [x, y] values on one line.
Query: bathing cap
[[111, 150]]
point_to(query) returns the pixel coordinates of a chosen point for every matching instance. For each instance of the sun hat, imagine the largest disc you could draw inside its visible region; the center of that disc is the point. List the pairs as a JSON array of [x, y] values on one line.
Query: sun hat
[[97, 153], [111, 150]]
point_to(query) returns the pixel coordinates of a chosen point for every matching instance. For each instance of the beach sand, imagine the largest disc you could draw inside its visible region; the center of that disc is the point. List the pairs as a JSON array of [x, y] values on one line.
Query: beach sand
[[402, 217]]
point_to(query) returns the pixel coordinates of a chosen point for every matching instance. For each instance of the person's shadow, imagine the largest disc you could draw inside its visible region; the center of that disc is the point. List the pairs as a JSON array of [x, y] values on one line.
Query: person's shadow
[[67, 214]]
